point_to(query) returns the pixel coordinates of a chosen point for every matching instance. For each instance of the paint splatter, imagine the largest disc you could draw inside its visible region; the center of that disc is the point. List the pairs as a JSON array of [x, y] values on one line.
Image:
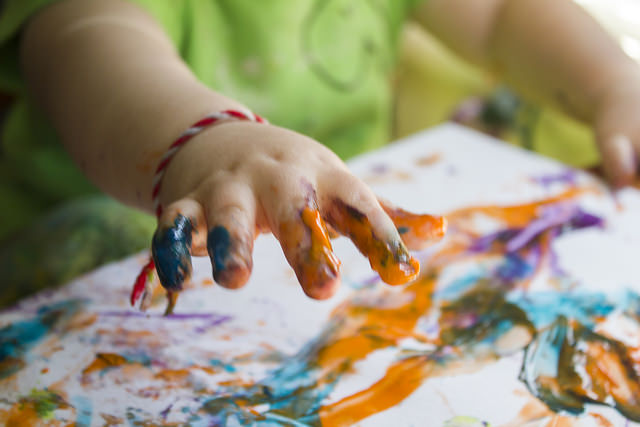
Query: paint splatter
[[18, 338], [471, 306]]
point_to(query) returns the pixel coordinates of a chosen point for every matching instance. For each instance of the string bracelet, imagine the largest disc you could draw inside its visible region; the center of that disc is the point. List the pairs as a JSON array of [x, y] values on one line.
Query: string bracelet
[[140, 286]]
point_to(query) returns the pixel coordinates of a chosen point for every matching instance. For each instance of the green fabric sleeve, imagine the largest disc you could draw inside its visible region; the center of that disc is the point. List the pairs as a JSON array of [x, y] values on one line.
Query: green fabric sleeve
[[15, 14]]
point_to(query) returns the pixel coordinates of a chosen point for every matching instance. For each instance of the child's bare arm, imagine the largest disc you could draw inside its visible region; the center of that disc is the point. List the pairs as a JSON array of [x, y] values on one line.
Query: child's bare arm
[[115, 89], [118, 93], [552, 51]]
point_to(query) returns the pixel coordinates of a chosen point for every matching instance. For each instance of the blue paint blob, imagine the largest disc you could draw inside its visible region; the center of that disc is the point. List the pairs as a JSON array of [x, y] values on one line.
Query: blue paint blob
[[84, 411], [514, 268], [544, 308], [403, 230], [171, 249], [218, 245], [220, 364]]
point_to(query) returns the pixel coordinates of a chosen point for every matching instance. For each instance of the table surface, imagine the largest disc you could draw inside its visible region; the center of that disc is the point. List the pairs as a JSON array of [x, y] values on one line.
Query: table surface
[[518, 305]]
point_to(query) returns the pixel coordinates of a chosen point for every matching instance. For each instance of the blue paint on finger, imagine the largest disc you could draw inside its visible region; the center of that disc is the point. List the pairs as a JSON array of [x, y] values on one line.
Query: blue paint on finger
[[171, 250], [218, 245]]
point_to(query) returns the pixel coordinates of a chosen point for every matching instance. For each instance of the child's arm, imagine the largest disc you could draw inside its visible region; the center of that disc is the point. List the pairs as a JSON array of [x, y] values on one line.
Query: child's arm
[[552, 51], [119, 94]]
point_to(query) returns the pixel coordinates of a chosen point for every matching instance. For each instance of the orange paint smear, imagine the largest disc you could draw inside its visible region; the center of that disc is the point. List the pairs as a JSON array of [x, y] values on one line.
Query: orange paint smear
[[104, 361], [561, 421], [308, 250], [321, 250], [400, 380], [365, 329], [517, 215], [366, 326], [609, 379], [601, 420], [417, 231], [429, 160], [24, 413], [390, 259]]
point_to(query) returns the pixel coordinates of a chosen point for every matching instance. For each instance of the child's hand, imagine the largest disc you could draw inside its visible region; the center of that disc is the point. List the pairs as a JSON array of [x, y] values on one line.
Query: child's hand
[[618, 131], [239, 179]]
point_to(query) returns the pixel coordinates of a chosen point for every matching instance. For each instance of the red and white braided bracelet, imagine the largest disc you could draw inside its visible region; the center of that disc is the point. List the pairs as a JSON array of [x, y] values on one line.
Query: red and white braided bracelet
[[192, 131], [209, 120]]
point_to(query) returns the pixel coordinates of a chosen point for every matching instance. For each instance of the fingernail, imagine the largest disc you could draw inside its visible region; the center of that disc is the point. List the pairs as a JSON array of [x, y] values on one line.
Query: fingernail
[[231, 263], [171, 250]]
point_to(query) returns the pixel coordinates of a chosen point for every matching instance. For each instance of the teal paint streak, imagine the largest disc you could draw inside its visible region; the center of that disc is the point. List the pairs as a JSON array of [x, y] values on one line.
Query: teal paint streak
[[17, 339], [84, 411]]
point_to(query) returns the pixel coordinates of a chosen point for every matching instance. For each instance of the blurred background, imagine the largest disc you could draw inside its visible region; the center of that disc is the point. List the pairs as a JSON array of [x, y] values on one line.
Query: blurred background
[[621, 18], [433, 85]]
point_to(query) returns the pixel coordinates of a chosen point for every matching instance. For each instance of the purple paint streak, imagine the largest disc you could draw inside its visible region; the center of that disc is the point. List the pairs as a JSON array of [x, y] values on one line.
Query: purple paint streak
[[567, 176], [552, 216], [380, 168], [211, 319]]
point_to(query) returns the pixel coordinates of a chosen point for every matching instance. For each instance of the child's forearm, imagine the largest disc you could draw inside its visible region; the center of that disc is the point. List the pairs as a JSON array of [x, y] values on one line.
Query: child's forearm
[[550, 50], [115, 89]]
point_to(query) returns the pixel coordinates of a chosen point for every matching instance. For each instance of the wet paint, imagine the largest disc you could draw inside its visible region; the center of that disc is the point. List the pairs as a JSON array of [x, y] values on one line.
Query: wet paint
[[37, 408], [104, 361], [218, 244], [171, 249], [18, 338], [417, 231], [471, 306], [230, 257], [307, 247], [389, 258], [472, 324], [321, 250], [569, 365]]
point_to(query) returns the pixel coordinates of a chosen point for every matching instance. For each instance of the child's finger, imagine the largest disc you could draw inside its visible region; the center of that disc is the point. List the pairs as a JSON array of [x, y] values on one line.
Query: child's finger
[[172, 242], [417, 230], [296, 222], [353, 211], [618, 160], [231, 218]]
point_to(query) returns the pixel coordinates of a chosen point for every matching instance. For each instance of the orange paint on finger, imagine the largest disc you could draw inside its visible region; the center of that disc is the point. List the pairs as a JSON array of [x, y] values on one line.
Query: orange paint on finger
[[307, 247], [390, 259], [417, 231], [321, 249]]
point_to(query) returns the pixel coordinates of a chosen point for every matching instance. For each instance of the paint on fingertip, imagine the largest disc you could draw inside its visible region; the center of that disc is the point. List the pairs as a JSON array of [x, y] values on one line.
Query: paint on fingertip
[[418, 230], [320, 243], [219, 245], [171, 249], [389, 257]]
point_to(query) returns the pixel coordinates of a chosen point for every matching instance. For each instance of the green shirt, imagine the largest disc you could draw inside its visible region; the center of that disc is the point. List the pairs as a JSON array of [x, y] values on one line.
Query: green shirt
[[320, 67]]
